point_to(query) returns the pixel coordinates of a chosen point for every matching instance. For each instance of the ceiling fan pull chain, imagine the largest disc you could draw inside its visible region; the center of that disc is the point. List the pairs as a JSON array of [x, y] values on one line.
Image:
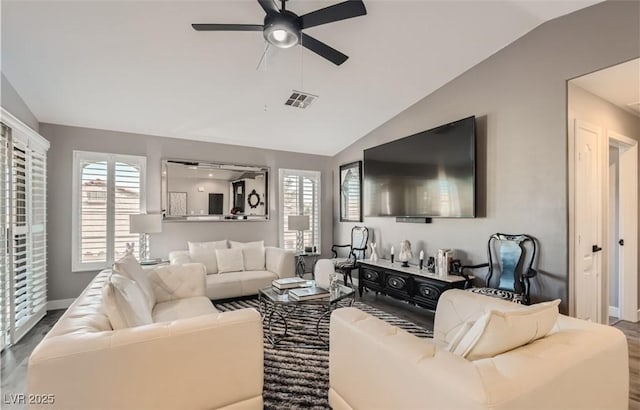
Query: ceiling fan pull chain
[[263, 60]]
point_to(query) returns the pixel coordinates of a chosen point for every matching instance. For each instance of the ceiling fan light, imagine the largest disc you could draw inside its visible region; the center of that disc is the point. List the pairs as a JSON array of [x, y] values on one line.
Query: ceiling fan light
[[281, 35]]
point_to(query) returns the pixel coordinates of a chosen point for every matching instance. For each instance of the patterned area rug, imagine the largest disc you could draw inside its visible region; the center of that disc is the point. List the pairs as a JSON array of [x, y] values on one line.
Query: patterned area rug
[[297, 377]]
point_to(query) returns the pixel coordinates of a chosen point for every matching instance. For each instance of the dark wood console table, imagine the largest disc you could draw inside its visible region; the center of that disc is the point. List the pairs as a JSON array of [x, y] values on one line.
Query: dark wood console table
[[411, 284]]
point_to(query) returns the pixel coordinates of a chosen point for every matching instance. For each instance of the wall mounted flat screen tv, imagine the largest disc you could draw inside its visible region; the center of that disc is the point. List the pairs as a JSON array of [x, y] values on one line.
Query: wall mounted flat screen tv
[[429, 174]]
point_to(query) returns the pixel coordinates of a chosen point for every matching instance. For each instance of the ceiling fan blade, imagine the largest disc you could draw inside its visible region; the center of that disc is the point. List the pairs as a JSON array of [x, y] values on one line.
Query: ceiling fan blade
[[323, 50], [227, 27], [337, 12], [269, 6]]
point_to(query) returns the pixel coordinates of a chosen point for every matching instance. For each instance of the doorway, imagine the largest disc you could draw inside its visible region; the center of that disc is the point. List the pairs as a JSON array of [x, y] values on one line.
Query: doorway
[[603, 133], [623, 222]]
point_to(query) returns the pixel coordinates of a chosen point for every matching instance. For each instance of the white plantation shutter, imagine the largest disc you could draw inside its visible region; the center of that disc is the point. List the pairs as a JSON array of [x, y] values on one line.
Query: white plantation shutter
[[37, 280], [93, 211], [128, 183], [299, 195], [5, 313], [20, 239], [23, 229], [107, 189]]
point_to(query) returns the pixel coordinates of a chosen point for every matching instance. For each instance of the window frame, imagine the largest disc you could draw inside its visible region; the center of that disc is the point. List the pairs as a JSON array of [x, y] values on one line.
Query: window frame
[[317, 176], [79, 157]]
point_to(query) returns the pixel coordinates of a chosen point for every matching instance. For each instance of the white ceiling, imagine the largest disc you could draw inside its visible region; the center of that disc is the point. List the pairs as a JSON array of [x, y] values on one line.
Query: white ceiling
[[138, 66], [620, 85]]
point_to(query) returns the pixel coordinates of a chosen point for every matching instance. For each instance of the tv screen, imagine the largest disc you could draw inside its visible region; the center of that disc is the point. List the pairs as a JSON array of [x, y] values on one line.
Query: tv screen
[[429, 174]]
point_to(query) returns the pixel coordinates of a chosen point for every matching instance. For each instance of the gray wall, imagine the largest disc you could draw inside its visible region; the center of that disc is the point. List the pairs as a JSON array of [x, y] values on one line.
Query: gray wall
[[520, 98], [65, 284], [12, 102], [583, 105]]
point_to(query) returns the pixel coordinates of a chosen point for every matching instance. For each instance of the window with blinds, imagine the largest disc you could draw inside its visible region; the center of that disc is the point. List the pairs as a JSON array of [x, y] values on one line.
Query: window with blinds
[[23, 230], [107, 189], [299, 195]]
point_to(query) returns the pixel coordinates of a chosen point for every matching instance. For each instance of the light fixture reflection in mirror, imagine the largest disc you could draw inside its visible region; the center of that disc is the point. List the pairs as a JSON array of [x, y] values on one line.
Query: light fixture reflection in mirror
[[207, 191]]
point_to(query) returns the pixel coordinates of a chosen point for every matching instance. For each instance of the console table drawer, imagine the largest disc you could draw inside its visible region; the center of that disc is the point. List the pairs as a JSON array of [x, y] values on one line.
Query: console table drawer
[[396, 283], [427, 290], [370, 275]]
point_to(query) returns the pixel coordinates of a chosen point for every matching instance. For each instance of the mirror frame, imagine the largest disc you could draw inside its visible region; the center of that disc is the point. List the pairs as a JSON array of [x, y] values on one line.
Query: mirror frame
[[164, 192], [356, 166]]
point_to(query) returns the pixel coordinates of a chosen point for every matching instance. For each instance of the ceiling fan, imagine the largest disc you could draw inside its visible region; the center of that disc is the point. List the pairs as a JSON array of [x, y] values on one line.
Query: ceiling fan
[[283, 28]]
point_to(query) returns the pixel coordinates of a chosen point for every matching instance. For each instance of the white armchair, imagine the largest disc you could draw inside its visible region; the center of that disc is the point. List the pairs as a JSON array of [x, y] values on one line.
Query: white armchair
[[374, 365]]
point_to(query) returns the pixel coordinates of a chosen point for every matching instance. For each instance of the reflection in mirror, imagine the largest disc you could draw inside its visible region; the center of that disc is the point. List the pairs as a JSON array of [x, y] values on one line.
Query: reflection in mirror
[[206, 191]]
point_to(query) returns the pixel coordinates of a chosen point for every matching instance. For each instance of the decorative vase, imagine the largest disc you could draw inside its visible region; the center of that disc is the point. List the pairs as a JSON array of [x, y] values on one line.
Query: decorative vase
[[333, 281], [374, 254]]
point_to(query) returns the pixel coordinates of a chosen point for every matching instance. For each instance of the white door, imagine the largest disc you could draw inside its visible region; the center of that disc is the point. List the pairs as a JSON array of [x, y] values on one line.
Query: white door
[[587, 216]]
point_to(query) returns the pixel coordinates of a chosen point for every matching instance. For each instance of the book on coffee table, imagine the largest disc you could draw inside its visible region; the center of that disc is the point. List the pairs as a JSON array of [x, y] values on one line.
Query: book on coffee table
[[309, 293], [289, 283]]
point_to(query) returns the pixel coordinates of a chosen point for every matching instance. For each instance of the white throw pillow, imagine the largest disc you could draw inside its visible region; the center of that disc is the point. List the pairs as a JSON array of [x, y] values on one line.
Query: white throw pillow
[[241, 245], [205, 253], [131, 269], [498, 331], [125, 303], [460, 334], [230, 260], [253, 258]]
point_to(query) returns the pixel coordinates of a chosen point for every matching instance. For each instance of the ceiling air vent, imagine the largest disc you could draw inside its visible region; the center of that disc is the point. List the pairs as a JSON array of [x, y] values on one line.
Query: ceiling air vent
[[300, 99]]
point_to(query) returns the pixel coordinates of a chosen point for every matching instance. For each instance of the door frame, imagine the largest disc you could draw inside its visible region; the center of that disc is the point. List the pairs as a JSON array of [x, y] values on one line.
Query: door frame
[[628, 223]]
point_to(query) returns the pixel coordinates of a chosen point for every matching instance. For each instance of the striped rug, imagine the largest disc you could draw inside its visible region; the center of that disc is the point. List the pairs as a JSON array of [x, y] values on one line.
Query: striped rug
[[295, 377]]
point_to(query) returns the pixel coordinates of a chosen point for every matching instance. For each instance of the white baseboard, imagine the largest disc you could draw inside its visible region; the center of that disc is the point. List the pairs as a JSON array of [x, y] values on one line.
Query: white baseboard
[[59, 304], [614, 311]]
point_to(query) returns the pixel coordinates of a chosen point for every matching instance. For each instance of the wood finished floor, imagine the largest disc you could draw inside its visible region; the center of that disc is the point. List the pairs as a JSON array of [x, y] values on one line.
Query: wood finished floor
[[14, 360]]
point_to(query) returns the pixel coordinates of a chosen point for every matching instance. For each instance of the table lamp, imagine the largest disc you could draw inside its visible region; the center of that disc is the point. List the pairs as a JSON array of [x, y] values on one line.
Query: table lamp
[[299, 223], [144, 224]]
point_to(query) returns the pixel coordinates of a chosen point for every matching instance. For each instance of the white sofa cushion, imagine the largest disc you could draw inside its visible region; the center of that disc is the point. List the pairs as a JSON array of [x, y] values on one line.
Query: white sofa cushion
[[125, 303], [205, 253], [178, 282], [501, 330], [240, 245], [253, 258], [182, 309], [238, 283], [130, 268], [230, 260]]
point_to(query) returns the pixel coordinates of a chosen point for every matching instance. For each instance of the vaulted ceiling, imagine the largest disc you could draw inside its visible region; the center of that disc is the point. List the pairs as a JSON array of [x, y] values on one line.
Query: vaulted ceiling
[[138, 66]]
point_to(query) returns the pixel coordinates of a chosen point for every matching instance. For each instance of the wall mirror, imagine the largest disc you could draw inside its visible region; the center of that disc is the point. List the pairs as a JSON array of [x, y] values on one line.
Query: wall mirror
[[209, 191], [351, 192]]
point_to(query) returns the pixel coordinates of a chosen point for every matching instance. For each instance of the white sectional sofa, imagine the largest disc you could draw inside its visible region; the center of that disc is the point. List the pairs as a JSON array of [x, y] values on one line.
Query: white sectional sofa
[[190, 357], [237, 269], [577, 365]]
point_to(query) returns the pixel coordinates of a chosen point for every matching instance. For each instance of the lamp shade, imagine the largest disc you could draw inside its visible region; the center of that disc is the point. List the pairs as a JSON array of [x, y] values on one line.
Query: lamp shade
[[298, 222], [145, 223]]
